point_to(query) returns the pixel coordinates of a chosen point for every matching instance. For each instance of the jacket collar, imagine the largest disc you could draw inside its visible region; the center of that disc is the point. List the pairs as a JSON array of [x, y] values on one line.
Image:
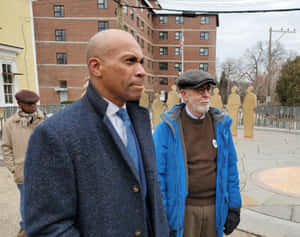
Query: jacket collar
[[100, 105], [16, 118], [93, 98], [175, 112]]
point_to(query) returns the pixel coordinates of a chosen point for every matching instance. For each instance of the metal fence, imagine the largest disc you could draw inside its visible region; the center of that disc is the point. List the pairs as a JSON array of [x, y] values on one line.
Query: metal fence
[[281, 117], [6, 112], [266, 116]]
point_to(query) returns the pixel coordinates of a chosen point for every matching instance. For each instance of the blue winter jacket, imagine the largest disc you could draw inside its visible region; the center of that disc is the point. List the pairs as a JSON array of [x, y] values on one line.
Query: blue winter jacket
[[173, 172]]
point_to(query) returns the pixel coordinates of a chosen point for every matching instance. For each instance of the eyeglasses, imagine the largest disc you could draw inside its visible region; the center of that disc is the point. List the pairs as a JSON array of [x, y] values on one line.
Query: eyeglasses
[[202, 90]]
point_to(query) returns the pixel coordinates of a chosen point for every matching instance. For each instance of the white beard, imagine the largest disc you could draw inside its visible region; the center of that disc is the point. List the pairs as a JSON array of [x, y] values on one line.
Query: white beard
[[201, 109]]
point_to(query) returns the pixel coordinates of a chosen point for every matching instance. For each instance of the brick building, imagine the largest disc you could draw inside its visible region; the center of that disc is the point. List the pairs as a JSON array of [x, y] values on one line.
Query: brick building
[[63, 27]]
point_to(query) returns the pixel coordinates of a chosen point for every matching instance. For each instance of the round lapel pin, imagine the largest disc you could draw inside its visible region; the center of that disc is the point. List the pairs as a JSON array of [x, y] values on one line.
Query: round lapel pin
[[214, 142]]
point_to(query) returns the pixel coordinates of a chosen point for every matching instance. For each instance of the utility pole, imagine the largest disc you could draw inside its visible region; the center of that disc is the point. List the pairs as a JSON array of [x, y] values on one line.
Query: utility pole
[[119, 13], [270, 71]]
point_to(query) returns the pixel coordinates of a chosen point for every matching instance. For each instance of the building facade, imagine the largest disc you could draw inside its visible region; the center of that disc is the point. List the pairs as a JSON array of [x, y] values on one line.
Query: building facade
[[171, 41], [17, 50]]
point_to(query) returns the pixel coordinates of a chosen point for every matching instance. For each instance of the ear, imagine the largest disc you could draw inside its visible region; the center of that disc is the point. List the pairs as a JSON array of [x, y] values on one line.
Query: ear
[[184, 95], [95, 67]]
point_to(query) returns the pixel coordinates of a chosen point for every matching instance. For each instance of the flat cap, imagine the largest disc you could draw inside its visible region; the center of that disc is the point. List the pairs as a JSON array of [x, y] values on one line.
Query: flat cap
[[194, 79], [27, 96]]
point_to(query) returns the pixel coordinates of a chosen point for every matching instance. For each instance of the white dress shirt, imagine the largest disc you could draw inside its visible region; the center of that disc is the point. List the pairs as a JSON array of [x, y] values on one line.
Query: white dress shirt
[[117, 122]]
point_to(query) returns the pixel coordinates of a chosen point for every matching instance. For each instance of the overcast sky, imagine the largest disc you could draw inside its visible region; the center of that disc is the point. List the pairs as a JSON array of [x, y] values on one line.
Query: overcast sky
[[237, 32]]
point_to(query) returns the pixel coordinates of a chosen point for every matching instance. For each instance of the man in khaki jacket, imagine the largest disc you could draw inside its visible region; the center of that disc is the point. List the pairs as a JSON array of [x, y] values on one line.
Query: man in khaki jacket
[[16, 133]]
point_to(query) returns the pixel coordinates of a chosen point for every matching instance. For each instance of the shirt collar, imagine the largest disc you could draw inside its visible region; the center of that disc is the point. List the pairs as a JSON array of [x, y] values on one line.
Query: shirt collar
[[112, 109], [189, 113]]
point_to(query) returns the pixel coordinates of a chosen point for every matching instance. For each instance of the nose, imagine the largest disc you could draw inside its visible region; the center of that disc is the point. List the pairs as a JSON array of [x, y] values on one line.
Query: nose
[[140, 71]]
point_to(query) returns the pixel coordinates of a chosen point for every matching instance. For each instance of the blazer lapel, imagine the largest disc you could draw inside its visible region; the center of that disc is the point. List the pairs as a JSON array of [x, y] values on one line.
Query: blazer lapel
[[141, 123], [121, 146]]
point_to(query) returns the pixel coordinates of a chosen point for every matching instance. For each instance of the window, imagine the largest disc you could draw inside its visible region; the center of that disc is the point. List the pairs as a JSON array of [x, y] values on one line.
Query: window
[[163, 35], [179, 20], [60, 35], [142, 26], [8, 83], [204, 20], [148, 30], [132, 33], [203, 67], [178, 35], [177, 51], [163, 66], [61, 58], [131, 15], [125, 28], [63, 91], [149, 48], [63, 84], [163, 81], [102, 25], [102, 4], [142, 43], [163, 51], [59, 10], [149, 64], [204, 51], [163, 20], [138, 39], [137, 21], [203, 35], [178, 66]]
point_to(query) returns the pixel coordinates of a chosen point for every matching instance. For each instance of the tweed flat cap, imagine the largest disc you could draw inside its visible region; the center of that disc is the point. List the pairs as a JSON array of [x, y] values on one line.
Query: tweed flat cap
[[27, 96], [194, 79]]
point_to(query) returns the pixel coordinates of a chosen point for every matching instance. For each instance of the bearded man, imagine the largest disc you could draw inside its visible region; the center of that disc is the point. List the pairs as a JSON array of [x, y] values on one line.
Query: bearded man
[[16, 133], [197, 163]]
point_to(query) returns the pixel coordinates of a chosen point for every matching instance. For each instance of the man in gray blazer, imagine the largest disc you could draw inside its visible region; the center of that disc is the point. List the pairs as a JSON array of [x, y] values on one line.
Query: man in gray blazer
[[90, 169]]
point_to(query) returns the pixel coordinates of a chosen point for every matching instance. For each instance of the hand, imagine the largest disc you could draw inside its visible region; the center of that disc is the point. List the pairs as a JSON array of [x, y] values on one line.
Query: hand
[[232, 221]]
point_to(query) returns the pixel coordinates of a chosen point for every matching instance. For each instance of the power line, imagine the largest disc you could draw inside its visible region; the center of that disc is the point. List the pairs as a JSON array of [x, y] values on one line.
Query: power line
[[208, 12]]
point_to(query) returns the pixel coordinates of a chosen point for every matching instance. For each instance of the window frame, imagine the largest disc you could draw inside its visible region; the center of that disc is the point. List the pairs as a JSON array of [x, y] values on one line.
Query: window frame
[[163, 35], [60, 12], [163, 51], [163, 19], [163, 66], [178, 51], [106, 23], [178, 35], [8, 83], [102, 4], [204, 66], [204, 51], [142, 25], [60, 35], [179, 20], [204, 20], [164, 81], [204, 35], [178, 67], [64, 58]]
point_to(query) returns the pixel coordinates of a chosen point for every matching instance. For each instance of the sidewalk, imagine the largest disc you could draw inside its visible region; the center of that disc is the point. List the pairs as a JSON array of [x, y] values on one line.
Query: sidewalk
[[269, 166]]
